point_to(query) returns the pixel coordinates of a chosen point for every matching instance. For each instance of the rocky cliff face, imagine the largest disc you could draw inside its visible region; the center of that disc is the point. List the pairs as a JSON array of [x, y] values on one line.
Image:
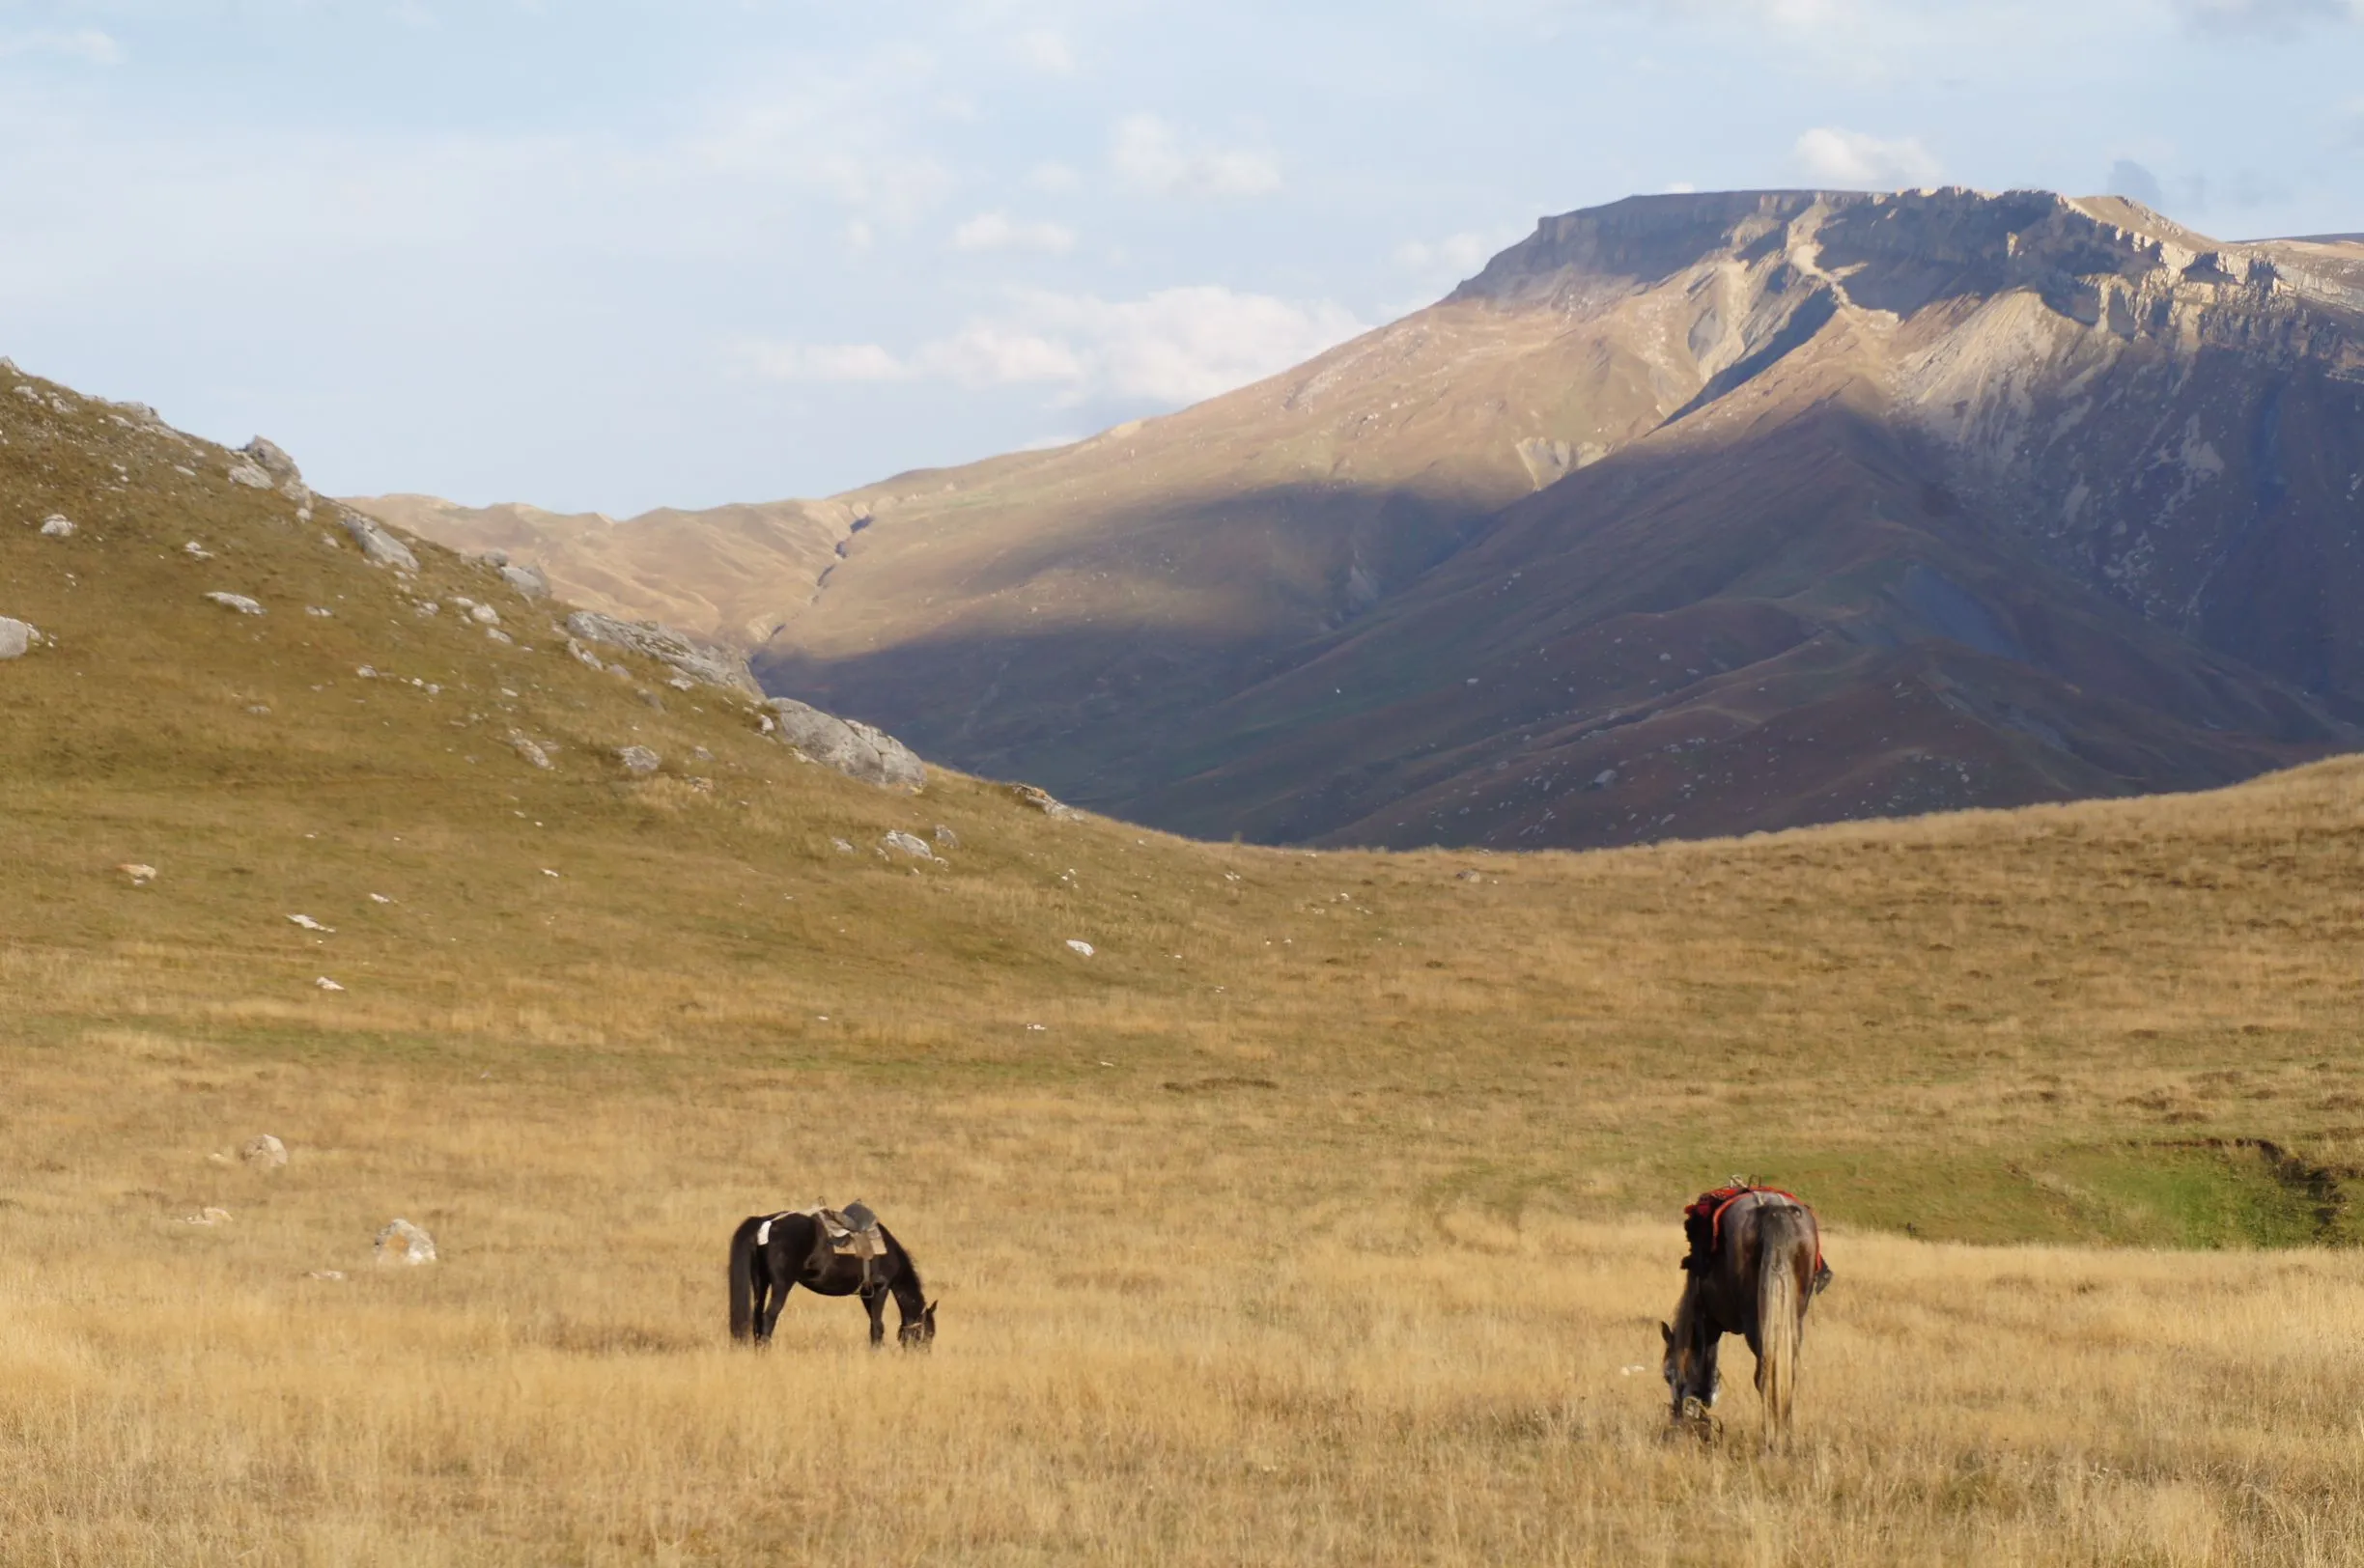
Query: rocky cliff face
[[1688, 513]]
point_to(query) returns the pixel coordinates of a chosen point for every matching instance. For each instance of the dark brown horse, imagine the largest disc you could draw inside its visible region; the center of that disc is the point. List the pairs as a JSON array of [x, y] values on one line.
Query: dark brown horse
[[771, 1255], [1754, 1266]]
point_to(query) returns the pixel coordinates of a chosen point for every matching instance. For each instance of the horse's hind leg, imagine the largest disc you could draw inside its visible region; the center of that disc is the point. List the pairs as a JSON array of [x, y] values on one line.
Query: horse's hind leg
[[771, 1296], [874, 1303]]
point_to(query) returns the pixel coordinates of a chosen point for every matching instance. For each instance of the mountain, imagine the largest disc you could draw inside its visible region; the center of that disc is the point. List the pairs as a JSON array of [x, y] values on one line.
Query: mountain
[[1688, 514]]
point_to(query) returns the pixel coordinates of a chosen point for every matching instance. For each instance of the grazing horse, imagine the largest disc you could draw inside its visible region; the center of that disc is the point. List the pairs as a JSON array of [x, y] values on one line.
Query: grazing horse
[[771, 1253], [1756, 1264]]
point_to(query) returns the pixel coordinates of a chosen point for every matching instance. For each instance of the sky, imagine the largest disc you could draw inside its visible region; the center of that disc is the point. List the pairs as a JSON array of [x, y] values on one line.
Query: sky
[[616, 254]]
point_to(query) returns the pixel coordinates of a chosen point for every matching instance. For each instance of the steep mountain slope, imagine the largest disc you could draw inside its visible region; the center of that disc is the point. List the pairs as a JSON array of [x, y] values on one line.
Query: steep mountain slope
[[1689, 513]]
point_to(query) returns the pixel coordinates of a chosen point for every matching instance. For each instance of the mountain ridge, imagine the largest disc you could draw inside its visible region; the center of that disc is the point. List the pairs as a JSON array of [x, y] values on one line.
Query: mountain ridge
[[2075, 478]]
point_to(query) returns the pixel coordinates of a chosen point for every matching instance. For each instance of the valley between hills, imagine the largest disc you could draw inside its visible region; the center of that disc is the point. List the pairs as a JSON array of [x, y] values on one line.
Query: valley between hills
[[1324, 1210]]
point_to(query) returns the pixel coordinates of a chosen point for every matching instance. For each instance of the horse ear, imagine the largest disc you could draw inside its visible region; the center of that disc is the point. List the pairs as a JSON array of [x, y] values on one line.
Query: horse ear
[[1668, 1335]]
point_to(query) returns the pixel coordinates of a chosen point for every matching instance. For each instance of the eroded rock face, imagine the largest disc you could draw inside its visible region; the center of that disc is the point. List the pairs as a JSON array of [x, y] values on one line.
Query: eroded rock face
[[697, 661], [856, 749]]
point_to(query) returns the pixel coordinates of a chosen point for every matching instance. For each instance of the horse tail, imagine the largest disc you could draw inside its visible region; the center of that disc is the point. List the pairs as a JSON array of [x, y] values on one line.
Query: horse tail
[[1784, 1241], [742, 1277]]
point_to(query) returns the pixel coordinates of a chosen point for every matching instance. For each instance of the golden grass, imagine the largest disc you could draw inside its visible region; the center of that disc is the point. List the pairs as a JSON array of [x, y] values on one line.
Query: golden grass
[[1166, 1341]]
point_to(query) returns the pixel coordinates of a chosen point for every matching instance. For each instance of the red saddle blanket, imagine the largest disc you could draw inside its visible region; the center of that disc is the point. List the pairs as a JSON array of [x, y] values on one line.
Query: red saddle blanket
[[1704, 1217]]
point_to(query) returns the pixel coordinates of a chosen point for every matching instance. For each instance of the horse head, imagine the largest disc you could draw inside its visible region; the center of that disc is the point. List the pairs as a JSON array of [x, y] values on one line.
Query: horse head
[[920, 1332], [1691, 1378]]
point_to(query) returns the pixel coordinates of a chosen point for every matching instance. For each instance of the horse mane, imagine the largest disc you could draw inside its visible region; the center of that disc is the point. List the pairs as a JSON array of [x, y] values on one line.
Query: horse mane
[[910, 1270]]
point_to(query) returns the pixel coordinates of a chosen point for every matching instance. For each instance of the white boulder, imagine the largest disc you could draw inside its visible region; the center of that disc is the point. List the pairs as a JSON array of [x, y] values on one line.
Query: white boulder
[[696, 662], [404, 1243], [902, 842], [855, 749], [379, 547], [528, 580], [263, 1151], [639, 760], [237, 602], [57, 525], [15, 636]]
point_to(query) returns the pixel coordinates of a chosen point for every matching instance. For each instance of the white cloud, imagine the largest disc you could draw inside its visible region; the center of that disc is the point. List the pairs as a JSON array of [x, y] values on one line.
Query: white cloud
[[1148, 154], [85, 44], [1459, 254], [1850, 157], [1046, 50], [2267, 15], [1058, 178], [999, 230], [1172, 347]]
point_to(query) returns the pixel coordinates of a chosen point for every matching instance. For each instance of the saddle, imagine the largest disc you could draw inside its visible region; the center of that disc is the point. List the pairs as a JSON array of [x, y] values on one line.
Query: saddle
[[850, 1232], [1703, 1223]]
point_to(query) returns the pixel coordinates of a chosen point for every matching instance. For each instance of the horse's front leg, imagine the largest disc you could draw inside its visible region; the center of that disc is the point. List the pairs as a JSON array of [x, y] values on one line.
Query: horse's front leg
[[874, 1303]]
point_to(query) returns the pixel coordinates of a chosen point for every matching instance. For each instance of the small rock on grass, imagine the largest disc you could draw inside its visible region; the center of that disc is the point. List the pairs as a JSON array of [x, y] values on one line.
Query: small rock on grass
[[16, 637], [237, 602], [639, 760], [404, 1243], [1083, 947], [310, 924], [57, 525], [327, 984], [141, 875], [263, 1151], [902, 842]]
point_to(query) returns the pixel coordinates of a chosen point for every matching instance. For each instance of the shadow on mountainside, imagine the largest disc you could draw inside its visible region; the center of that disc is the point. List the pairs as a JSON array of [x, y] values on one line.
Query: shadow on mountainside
[[1688, 638]]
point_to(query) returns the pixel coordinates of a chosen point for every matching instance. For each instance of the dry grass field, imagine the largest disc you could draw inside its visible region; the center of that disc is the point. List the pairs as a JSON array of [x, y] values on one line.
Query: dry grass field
[[1318, 1215]]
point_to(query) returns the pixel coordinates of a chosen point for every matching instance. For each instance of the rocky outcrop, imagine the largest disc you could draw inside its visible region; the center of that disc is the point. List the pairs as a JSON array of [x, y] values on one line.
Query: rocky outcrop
[[910, 845], [856, 749], [380, 547], [695, 660], [528, 580]]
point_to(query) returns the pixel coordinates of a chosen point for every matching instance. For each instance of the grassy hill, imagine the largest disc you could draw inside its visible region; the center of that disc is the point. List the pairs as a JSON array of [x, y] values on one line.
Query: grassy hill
[[1319, 1213]]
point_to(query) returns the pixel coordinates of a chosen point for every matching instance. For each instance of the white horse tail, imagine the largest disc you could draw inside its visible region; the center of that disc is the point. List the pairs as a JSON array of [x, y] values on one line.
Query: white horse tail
[[1785, 1247]]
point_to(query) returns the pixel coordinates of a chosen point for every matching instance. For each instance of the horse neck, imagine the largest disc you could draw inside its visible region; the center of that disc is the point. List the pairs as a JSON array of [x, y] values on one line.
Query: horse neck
[[909, 1293]]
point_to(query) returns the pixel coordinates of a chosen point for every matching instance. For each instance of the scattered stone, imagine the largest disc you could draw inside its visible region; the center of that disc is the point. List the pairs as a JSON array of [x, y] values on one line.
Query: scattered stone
[[379, 898], [1604, 778], [327, 984], [697, 661], [1085, 948], [1042, 800], [945, 838], [482, 612], [259, 710], [208, 1215], [702, 754], [585, 656], [326, 1274], [639, 760], [57, 525], [682, 682], [902, 842], [855, 749], [1468, 875], [319, 612], [367, 672], [263, 1151], [380, 547], [494, 633], [528, 580], [237, 602], [15, 636], [141, 875], [402, 1241], [841, 846], [494, 558], [196, 552], [249, 474], [310, 924], [529, 749]]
